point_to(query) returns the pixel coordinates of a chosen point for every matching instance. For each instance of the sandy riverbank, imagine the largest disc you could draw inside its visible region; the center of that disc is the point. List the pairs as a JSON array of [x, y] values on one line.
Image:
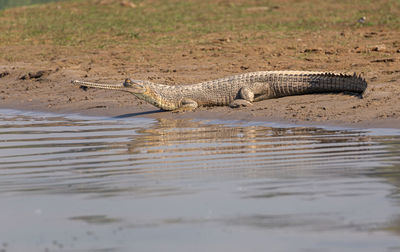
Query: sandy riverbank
[[53, 92]]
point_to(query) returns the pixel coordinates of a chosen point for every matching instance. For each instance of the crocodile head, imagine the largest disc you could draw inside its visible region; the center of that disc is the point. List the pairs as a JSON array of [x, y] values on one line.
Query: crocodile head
[[129, 85], [134, 86], [144, 90]]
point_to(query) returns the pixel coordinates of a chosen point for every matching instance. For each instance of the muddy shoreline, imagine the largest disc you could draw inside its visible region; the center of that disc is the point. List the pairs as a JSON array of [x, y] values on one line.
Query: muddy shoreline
[[204, 114], [42, 90]]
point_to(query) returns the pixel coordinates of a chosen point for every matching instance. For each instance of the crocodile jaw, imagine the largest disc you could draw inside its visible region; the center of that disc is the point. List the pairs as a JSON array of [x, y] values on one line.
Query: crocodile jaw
[[118, 87], [133, 87]]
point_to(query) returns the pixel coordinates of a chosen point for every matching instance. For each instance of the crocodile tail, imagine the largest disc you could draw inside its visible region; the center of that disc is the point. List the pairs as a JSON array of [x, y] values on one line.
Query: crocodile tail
[[347, 82], [284, 84], [338, 82], [363, 84]]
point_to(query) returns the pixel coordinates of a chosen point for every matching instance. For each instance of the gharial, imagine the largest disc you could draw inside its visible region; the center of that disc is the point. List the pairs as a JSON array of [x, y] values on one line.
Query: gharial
[[237, 90]]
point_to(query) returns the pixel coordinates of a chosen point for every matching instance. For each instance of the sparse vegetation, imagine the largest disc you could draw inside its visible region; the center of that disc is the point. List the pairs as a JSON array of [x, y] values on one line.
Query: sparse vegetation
[[100, 24]]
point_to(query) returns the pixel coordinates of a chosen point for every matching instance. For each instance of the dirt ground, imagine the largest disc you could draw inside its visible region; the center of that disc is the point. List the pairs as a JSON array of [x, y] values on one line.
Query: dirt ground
[[43, 84]]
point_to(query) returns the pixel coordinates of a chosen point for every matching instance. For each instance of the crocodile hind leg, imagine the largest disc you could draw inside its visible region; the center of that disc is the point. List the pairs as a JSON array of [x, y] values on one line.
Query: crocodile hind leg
[[186, 105], [246, 97]]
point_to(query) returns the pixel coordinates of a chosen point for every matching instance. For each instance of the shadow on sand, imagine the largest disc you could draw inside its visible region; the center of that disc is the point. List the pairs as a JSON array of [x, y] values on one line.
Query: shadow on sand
[[139, 114]]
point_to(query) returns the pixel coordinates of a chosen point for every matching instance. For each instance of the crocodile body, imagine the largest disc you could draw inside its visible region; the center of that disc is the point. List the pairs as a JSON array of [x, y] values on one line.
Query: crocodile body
[[238, 90]]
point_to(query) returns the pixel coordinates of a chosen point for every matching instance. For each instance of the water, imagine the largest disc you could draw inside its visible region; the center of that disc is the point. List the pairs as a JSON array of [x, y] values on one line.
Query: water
[[72, 183], [14, 3]]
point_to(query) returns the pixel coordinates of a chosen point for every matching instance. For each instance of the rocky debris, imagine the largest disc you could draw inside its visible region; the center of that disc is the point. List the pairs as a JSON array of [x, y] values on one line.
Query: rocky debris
[[224, 40], [378, 48], [359, 49], [35, 75], [4, 74], [370, 34], [383, 60], [390, 72], [330, 52], [313, 50]]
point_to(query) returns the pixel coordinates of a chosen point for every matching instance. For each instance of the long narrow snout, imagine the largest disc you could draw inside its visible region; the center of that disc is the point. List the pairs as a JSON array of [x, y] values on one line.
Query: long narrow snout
[[99, 85]]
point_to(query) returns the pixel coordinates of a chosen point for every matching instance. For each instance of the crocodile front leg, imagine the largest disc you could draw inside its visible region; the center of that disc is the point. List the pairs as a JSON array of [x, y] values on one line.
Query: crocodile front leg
[[246, 97], [186, 105]]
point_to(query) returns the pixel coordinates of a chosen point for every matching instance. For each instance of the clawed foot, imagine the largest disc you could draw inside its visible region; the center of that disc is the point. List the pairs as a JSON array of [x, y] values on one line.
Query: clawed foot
[[186, 105], [183, 109], [240, 103]]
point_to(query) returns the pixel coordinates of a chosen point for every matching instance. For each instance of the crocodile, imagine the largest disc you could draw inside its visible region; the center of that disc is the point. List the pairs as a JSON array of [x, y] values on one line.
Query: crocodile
[[238, 90]]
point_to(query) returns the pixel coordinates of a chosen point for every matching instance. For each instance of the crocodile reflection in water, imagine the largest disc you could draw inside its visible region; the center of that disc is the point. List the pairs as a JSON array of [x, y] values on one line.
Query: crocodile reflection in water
[[167, 131], [337, 180], [265, 152], [266, 149]]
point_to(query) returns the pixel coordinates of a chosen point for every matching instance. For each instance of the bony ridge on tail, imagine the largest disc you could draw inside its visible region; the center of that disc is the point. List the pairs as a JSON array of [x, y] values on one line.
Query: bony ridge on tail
[[237, 90]]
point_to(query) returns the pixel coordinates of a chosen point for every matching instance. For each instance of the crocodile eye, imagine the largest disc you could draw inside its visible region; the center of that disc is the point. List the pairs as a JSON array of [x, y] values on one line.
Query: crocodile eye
[[127, 83]]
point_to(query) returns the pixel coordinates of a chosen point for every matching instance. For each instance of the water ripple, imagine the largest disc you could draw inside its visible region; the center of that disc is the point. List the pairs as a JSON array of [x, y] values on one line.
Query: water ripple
[[91, 184], [56, 154]]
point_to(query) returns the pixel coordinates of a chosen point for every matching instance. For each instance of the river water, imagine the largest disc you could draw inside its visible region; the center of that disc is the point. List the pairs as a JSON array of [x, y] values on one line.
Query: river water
[[75, 183]]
